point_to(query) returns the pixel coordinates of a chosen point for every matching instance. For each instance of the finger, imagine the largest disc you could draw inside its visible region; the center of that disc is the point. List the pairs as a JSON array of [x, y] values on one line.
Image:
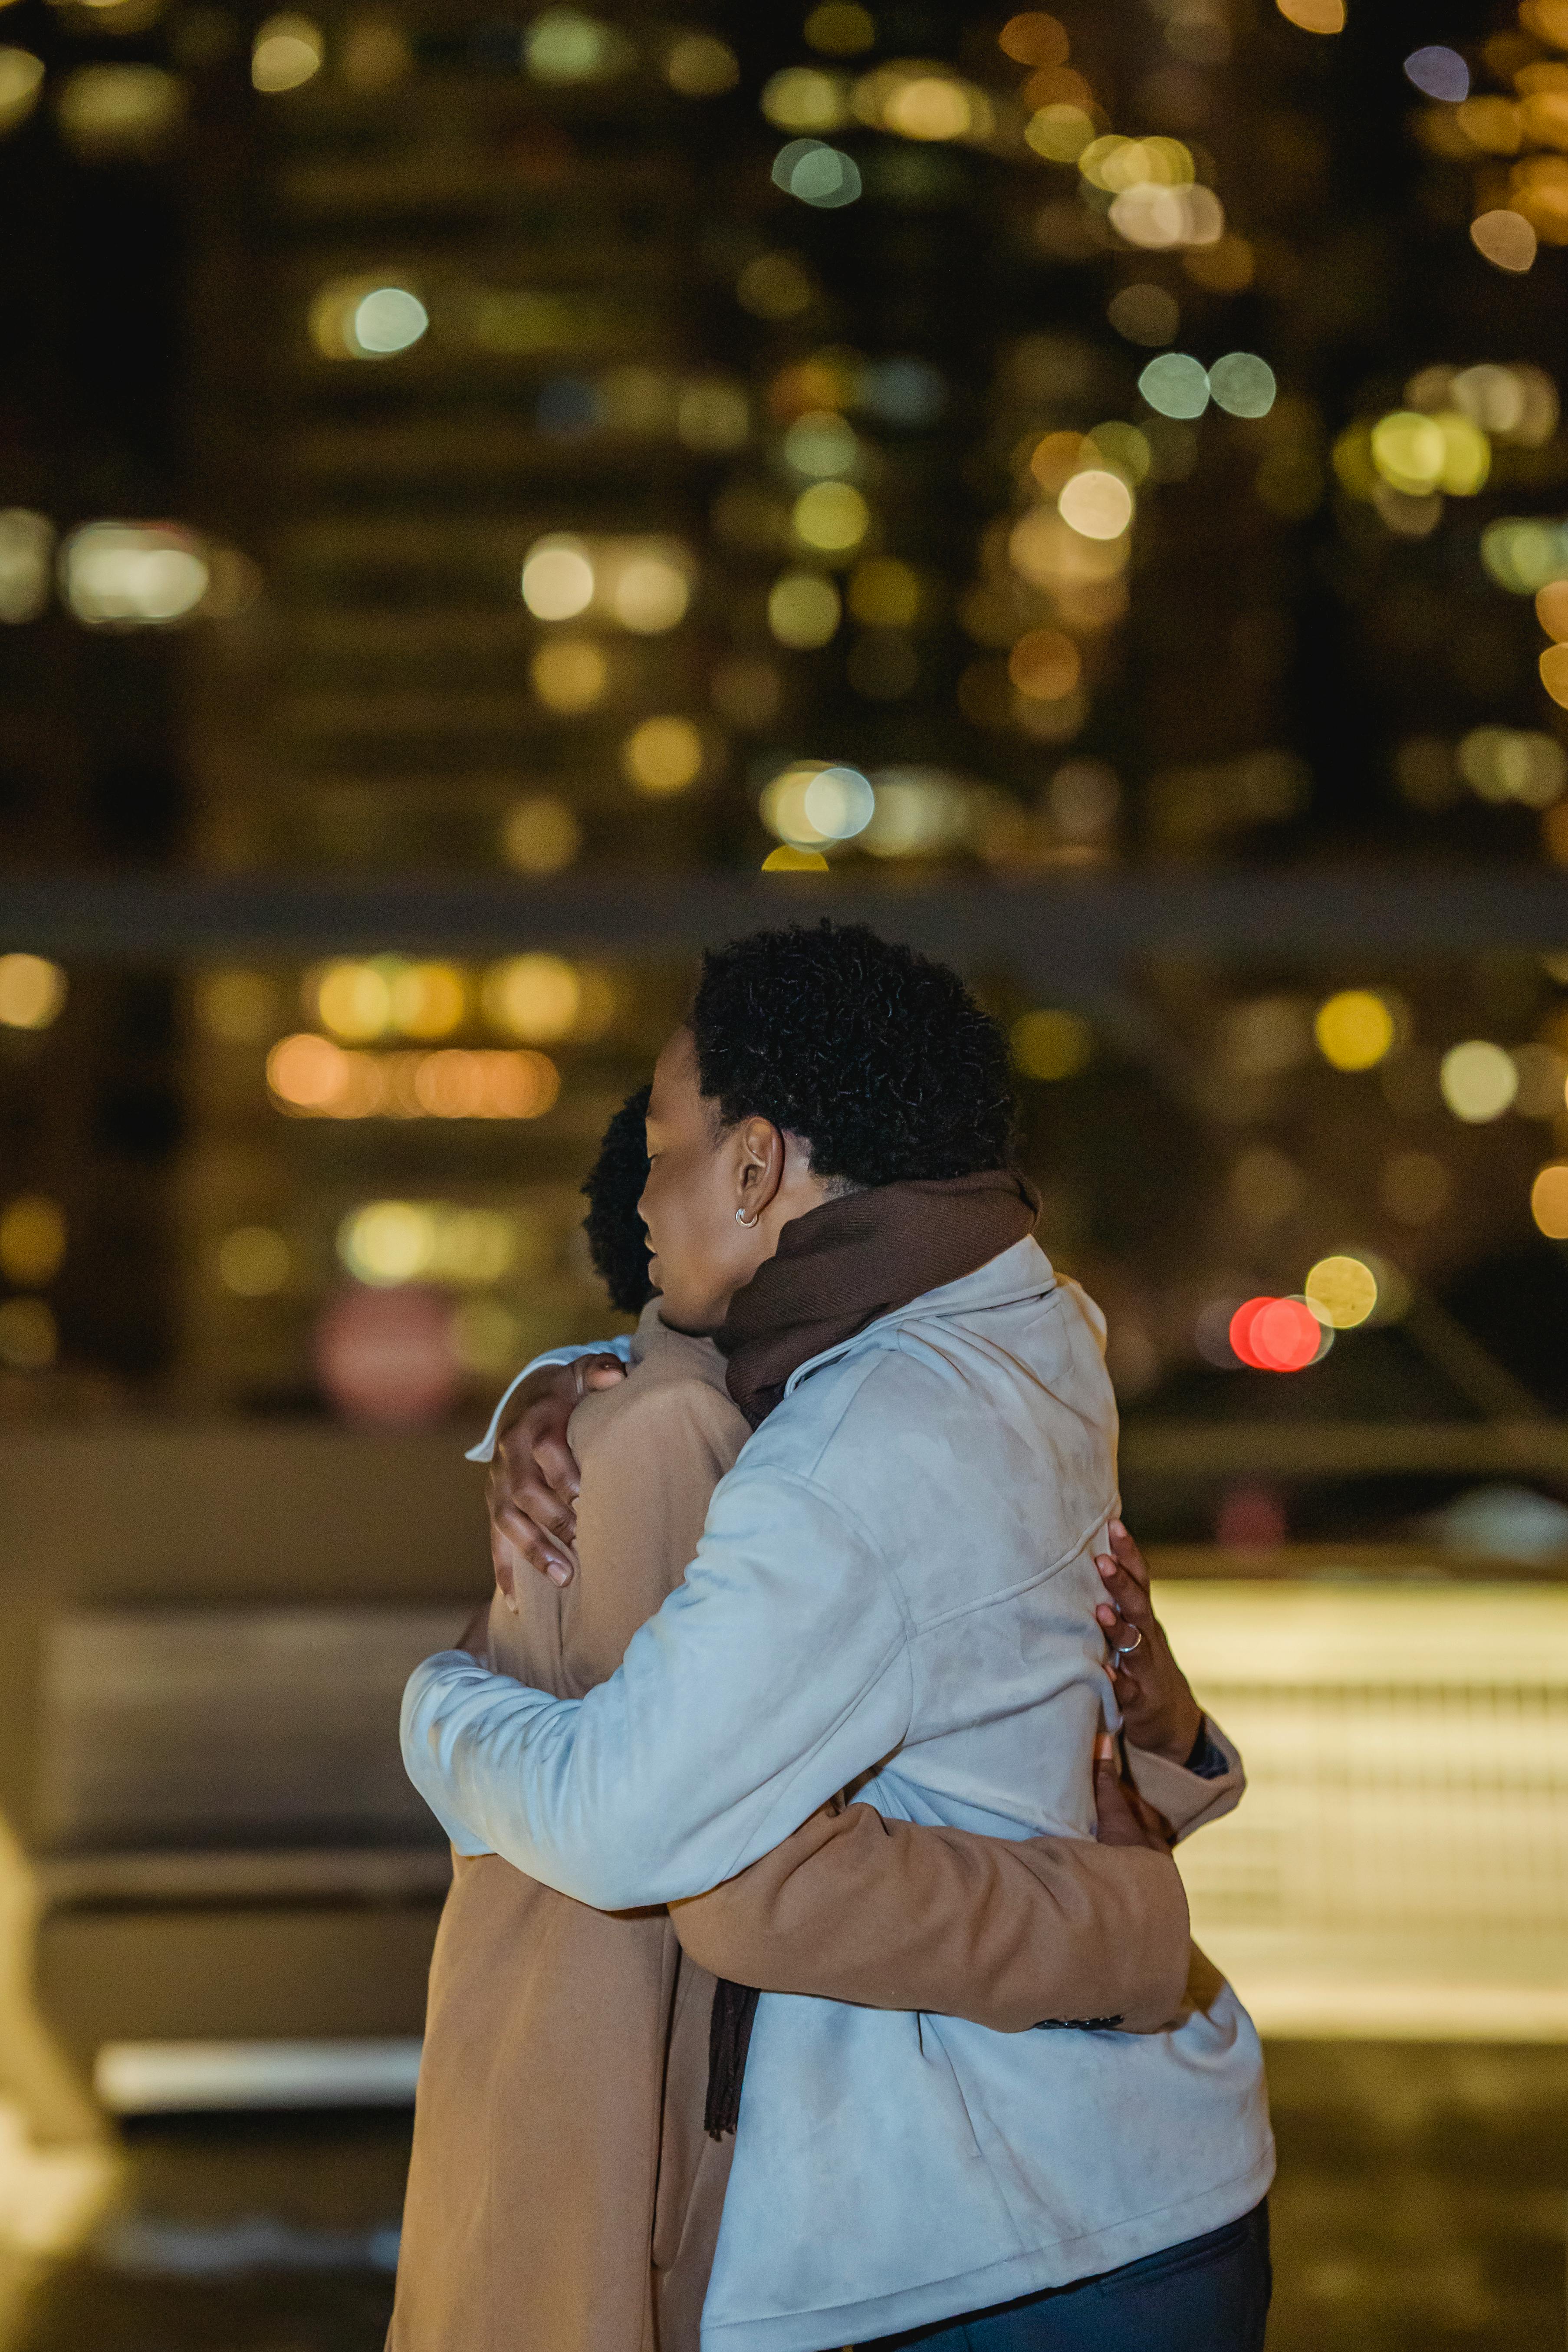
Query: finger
[[557, 1466], [545, 1505], [1128, 1554], [602, 1371], [1131, 1597], [531, 1543]]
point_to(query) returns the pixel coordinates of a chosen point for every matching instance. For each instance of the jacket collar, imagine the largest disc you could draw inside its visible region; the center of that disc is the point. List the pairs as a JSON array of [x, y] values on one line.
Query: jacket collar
[[1012, 1277]]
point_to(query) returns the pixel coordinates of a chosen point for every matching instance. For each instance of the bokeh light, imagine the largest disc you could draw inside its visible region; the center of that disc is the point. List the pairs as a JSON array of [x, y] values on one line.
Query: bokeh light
[[1096, 504], [1175, 386], [29, 1336], [32, 991], [1050, 1045], [254, 1261], [832, 517], [287, 52], [1479, 1081], [813, 803], [1314, 15], [840, 28], [1276, 1335], [21, 85], [132, 575], [26, 563], [540, 834], [569, 674], [1440, 73], [1242, 383], [1505, 238], [804, 609], [1144, 314], [699, 65], [818, 174], [1355, 1029], [1549, 1200], [32, 1240], [1044, 665], [557, 579], [1343, 1290], [537, 997], [662, 755]]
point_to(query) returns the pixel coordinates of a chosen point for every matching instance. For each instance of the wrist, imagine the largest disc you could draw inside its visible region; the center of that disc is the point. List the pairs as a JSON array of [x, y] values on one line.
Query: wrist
[[1178, 1733]]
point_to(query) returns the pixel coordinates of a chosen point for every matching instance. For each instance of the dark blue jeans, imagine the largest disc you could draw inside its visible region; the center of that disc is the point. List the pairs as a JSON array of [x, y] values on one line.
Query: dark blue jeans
[[1208, 2295]]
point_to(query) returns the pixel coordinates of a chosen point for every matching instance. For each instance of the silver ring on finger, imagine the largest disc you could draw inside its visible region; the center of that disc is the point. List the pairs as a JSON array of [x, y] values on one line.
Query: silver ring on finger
[[1125, 1649]]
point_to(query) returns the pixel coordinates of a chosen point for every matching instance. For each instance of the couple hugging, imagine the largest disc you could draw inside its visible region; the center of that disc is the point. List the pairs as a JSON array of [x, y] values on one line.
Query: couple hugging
[[815, 1971]]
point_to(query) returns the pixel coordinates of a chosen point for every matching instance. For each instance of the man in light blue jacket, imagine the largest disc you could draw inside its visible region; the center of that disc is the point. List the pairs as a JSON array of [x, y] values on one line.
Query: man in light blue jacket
[[894, 1593]]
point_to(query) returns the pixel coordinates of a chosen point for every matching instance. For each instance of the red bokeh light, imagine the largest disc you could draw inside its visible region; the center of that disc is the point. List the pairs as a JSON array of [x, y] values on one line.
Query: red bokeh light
[[1275, 1335]]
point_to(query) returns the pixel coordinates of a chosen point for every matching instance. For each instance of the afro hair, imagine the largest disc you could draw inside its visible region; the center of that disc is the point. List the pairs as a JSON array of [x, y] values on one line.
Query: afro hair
[[617, 1239], [877, 1057]]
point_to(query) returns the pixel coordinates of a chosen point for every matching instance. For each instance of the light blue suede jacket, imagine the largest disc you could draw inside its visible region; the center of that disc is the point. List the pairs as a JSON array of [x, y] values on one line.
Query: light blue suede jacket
[[894, 1594]]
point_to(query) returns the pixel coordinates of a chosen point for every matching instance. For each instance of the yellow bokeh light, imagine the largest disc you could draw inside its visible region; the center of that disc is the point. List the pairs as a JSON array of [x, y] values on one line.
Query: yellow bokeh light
[[1553, 668], [241, 1006], [931, 107], [788, 859], [804, 97], [428, 1000], [662, 755], [387, 1242], [354, 1001], [1551, 609], [253, 1261], [839, 28], [1549, 1200], [1479, 1081], [814, 803], [804, 609], [1050, 1045], [286, 53], [569, 674], [820, 444], [1342, 1291], [1096, 504], [1314, 15], [540, 834], [1505, 238], [1059, 133], [29, 1339], [1056, 459], [885, 593], [1044, 665], [21, 84], [650, 591], [832, 517], [1355, 1029], [1034, 38], [557, 579], [32, 1240], [32, 991], [534, 997], [699, 65], [1409, 451]]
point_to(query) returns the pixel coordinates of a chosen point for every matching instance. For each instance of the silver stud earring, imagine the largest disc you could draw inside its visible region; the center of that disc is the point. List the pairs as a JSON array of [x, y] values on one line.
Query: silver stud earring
[[742, 1219]]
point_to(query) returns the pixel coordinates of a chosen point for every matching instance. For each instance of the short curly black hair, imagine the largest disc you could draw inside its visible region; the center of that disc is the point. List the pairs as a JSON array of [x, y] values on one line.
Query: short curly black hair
[[878, 1057], [617, 1238]]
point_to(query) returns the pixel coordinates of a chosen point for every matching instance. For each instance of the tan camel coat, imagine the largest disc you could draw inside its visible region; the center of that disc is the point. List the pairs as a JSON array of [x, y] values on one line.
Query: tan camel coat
[[562, 2194]]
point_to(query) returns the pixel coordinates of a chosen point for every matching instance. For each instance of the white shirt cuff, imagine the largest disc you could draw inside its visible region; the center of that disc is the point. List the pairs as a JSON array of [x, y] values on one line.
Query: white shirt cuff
[[622, 1347]]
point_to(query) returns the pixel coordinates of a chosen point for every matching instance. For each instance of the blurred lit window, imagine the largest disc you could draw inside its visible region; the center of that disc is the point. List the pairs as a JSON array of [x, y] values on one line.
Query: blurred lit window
[[1051, 1045], [569, 674], [32, 1241], [540, 834], [699, 65], [804, 609], [813, 803], [366, 319], [662, 755], [107, 111], [832, 517], [562, 45], [253, 1261], [818, 174], [27, 562], [132, 575], [535, 997], [286, 53], [21, 82], [32, 991], [29, 1341]]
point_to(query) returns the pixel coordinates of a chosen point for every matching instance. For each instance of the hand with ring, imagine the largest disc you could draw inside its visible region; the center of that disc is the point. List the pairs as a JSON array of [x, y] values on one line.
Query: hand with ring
[[1159, 1711]]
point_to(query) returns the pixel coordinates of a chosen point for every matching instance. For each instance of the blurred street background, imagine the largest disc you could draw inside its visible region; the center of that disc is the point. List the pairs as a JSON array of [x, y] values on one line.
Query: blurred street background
[[492, 500]]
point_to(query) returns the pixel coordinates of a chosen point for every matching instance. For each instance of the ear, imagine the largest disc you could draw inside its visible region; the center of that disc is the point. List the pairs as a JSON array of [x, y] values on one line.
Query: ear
[[758, 1167]]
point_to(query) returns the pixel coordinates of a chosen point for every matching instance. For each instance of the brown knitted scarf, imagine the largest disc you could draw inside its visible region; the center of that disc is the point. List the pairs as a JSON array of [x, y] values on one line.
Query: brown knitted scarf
[[836, 1270]]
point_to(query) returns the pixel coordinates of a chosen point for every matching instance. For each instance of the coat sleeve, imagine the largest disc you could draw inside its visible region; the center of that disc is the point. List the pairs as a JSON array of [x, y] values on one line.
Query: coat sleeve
[[894, 1914], [774, 1675], [1189, 1801]]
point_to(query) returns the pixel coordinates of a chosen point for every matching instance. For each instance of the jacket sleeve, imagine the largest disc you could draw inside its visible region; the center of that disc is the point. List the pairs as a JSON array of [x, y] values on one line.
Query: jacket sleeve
[[893, 1915], [485, 1450], [1189, 1801], [773, 1676]]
